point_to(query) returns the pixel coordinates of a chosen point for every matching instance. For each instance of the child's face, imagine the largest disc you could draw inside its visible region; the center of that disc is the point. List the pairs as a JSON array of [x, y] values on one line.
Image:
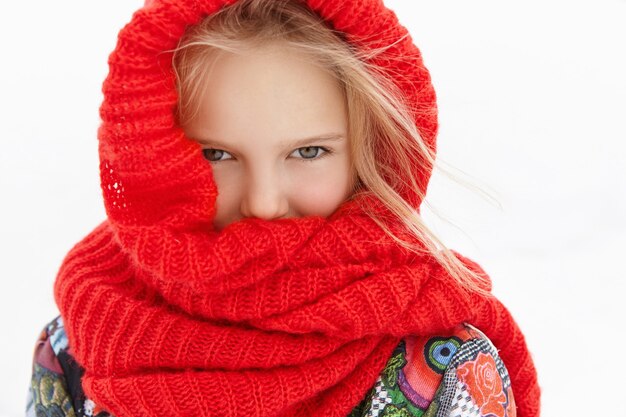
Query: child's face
[[254, 121]]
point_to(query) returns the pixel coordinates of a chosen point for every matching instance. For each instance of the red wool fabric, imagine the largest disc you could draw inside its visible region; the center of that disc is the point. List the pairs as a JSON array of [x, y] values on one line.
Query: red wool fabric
[[291, 317]]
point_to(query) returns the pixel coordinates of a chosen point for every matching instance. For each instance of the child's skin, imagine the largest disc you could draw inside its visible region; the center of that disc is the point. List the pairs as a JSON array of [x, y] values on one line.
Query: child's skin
[[256, 109]]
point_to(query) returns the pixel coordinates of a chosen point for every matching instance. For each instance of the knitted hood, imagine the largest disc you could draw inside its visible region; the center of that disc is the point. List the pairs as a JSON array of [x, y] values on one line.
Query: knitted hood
[[151, 173]]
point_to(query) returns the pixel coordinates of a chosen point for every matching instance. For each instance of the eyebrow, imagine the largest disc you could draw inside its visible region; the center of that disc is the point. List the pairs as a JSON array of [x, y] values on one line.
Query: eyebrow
[[329, 137]]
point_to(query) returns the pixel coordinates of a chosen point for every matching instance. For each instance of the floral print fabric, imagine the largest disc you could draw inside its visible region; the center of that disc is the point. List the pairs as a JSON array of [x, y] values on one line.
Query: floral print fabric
[[454, 375]]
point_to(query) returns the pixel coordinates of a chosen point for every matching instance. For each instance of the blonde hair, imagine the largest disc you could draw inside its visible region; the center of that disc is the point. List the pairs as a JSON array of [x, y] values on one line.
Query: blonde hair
[[381, 125]]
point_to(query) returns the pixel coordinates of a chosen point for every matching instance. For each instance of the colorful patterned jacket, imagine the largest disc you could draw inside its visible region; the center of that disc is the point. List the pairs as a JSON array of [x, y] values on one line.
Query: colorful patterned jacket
[[457, 374]]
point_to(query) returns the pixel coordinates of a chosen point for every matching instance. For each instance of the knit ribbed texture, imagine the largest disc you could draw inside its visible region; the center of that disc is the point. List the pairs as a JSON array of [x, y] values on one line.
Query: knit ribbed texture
[[293, 317]]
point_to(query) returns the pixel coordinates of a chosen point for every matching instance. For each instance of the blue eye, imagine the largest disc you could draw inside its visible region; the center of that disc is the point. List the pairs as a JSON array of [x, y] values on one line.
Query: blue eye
[[310, 153], [214, 155]]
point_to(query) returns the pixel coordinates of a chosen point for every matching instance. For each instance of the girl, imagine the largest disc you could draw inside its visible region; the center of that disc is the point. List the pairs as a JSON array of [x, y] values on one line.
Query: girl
[[262, 164]]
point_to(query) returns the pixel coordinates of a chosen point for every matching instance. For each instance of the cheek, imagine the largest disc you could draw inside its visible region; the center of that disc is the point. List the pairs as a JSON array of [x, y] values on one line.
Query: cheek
[[320, 192], [227, 199]]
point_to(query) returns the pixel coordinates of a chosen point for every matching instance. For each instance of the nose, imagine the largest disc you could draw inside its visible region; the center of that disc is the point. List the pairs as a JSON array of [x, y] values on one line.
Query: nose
[[264, 199]]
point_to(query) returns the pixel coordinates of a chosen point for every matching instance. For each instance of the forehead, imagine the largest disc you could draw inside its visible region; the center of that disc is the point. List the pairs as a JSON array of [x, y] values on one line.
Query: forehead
[[271, 93]]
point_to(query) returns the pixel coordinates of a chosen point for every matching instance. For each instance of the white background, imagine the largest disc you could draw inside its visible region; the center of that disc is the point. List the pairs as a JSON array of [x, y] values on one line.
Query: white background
[[532, 99]]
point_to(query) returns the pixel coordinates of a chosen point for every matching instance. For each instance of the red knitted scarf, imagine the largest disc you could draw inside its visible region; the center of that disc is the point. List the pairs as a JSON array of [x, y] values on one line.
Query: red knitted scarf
[[292, 317]]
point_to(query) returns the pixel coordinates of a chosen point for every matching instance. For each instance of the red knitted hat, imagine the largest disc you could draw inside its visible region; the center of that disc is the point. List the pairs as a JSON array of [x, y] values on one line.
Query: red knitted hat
[[151, 172]]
